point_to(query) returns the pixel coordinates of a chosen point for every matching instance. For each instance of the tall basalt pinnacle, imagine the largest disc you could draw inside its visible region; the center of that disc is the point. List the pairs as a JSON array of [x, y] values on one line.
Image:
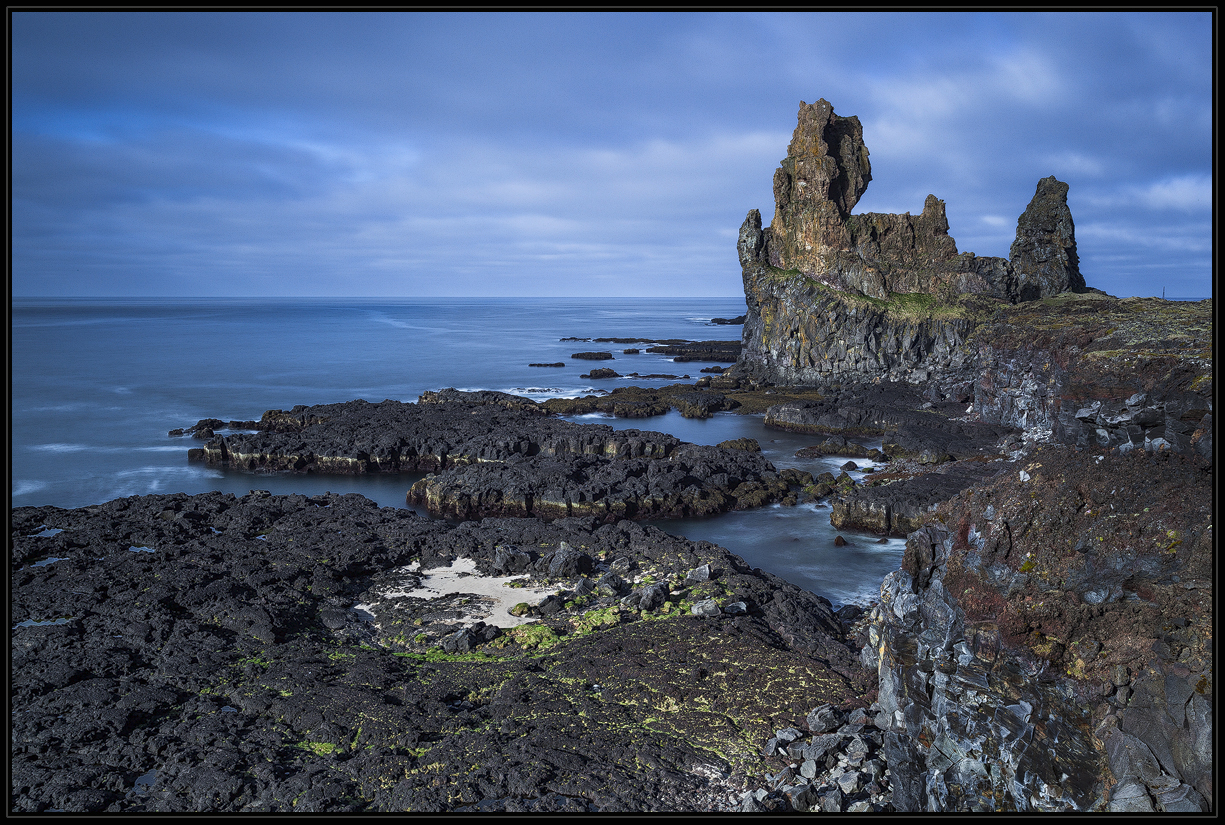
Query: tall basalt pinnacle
[[816, 186], [826, 161], [1043, 257]]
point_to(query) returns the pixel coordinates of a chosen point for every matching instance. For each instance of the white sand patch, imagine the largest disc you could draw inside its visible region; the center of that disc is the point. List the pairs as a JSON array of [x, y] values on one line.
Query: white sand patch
[[492, 596]]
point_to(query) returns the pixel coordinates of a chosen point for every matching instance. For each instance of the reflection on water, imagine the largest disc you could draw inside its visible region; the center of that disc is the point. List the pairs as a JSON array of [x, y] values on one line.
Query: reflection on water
[[797, 544]]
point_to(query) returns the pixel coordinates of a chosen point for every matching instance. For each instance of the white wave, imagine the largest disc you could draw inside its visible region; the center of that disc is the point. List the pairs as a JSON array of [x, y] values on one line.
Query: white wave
[[381, 318], [155, 471], [22, 488], [60, 448], [545, 393]]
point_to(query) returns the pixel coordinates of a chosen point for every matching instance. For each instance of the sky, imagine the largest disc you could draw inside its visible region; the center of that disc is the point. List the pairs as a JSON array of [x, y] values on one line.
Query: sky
[[414, 154]]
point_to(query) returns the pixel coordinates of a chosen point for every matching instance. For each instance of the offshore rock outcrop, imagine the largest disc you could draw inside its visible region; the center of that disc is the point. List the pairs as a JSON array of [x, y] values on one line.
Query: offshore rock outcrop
[[814, 234], [833, 295]]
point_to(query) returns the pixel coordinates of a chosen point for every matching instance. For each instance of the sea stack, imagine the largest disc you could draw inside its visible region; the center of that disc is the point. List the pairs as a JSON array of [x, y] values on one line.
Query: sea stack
[[834, 295]]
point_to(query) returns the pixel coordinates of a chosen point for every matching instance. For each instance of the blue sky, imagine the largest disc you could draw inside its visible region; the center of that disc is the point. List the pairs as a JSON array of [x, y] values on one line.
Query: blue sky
[[409, 154]]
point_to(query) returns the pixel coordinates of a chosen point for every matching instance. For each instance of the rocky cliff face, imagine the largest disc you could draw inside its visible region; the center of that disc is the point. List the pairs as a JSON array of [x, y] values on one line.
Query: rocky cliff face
[[1047, 644]]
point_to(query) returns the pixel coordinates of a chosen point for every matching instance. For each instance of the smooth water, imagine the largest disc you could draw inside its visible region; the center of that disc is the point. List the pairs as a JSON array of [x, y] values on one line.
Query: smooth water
[[96, 385]]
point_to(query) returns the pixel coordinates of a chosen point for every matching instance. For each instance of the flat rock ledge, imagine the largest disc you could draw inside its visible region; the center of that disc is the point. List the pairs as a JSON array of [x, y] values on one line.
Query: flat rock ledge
[[689, 481], [443, 430], [494, 454]]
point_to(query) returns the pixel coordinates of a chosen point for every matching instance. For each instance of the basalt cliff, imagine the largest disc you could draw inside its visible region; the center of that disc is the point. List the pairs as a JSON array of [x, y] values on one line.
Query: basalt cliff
[[835, 297]]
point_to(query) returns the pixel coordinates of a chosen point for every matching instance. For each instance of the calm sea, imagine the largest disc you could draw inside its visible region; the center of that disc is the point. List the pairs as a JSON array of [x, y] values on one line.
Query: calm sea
[[96, 385]]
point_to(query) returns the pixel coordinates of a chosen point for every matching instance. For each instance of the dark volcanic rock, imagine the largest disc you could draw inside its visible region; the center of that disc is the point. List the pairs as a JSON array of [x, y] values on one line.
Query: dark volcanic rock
[[1054, 625], [445, 429], [728, 321], [602, 373], [689, 481], [837, 445], [555, 364], [727, 351], [1043, 256], [227, 670], [593, 356], [912, 428], [899, 507]]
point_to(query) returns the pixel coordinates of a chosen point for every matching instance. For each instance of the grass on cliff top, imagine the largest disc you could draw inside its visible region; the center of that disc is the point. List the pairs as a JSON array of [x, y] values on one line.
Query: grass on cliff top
[[1107, 327]]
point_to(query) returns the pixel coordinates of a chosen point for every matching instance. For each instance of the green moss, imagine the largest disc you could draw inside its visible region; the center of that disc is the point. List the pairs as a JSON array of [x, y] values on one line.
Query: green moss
[[594, 619], [534, 635], [317, 748]]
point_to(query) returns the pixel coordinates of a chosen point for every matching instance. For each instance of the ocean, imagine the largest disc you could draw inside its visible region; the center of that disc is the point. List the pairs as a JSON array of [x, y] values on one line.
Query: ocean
[[97, 384]]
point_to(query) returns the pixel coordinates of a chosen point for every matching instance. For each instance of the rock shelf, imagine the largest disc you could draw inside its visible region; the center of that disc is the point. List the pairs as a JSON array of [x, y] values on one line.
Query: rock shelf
[[229, 670]]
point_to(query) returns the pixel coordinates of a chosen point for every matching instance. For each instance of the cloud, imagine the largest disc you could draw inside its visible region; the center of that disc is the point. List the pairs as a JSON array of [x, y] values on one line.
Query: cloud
[[1188, 193], [393, 154], [1183, 193]]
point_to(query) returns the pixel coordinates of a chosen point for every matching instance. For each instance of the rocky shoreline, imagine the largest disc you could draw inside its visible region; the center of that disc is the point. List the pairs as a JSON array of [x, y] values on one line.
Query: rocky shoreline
[[262, 586], [1047, 644], [277, 653]]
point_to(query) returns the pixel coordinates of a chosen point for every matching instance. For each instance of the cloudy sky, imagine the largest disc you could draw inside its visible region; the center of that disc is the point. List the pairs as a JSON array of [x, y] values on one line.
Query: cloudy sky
[[324, 154]]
